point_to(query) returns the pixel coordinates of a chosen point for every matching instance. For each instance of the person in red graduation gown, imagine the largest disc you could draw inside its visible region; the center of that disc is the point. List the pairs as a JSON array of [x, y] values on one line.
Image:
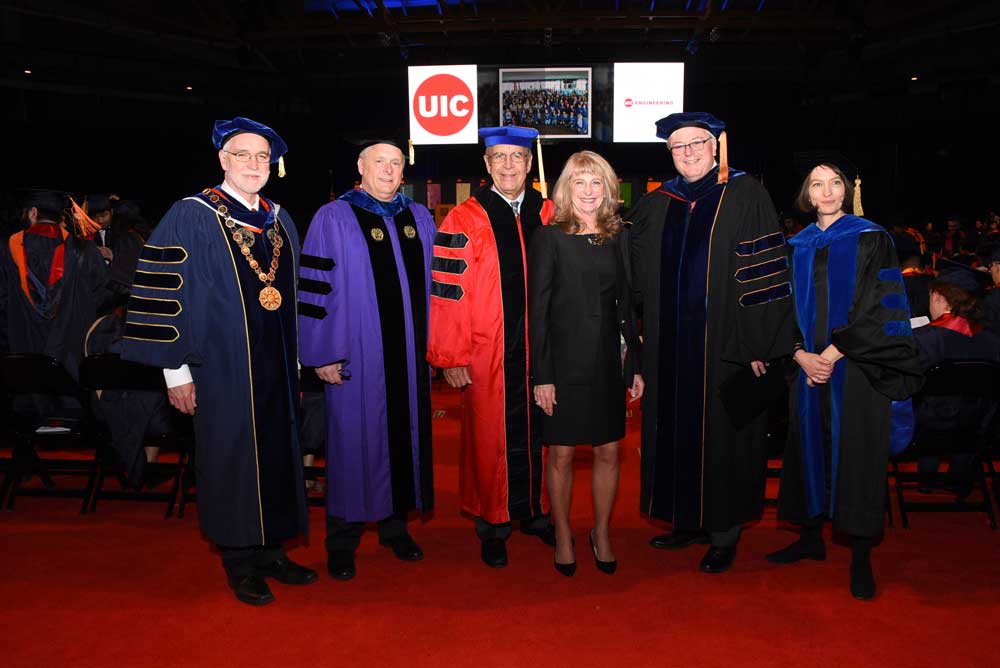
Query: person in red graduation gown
[[479, 336]]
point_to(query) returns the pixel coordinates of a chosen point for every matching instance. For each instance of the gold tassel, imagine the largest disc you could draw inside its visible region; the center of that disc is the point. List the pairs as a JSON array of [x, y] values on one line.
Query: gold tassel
[[723, 159], [281, 167], [858, 211], [409, 144], [541, 169]]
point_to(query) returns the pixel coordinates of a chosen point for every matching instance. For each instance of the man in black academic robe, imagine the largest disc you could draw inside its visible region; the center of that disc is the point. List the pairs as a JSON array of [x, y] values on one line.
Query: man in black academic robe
[[117, 244], [51, 286], [214, 304], [710, 274]]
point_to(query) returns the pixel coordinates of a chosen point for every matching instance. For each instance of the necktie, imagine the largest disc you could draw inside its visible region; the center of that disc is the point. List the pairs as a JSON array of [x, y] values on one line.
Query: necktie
[[517, 208]]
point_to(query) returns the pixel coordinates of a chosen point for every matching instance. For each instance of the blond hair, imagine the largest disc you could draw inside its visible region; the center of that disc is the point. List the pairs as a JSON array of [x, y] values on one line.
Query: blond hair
[[587, 162]]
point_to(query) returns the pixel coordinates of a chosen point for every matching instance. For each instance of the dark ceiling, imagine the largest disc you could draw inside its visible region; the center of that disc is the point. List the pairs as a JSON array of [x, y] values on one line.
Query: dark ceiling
[[145, 48], [875, 78]]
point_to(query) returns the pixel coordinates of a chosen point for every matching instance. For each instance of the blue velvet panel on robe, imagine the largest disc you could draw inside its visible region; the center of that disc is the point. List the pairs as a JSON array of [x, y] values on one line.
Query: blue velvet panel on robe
[[686, 244], [842, 241]]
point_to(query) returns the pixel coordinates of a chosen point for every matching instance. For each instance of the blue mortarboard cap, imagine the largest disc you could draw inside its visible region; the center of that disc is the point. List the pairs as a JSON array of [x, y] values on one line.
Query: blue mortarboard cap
[[225, 130], [508, 134], [689, 119]]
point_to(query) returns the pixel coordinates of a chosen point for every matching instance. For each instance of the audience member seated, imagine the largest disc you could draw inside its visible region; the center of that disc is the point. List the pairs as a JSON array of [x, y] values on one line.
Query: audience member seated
[[51, 286], [915, 278], [991, 305], [954, 333]]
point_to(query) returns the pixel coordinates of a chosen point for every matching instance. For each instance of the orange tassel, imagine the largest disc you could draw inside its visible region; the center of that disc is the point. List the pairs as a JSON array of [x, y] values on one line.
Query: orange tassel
[[858, 211], [723, 159], [86, 225]]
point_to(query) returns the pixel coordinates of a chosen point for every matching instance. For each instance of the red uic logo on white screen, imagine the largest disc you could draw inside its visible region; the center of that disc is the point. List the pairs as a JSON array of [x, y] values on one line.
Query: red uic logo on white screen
[[443, 105], [628, 102]]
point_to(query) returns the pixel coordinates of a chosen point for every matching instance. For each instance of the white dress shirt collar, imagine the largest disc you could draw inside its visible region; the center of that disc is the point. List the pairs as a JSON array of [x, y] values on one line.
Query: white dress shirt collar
[[239, 198]]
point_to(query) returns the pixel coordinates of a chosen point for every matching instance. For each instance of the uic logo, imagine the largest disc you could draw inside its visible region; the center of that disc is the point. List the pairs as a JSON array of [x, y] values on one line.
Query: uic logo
[[443, 105], [628, 102]]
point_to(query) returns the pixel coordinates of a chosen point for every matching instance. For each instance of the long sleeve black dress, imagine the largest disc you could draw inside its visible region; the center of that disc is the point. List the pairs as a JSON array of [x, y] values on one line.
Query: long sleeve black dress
[[579, 306]]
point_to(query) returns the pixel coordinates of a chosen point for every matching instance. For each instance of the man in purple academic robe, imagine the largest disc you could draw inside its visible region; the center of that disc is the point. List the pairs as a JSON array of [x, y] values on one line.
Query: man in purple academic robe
[[364, 289]]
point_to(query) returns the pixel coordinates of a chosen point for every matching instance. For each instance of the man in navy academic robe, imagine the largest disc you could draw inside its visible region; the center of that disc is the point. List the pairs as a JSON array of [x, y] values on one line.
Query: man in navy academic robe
[[365, 289], [213, 304], [710, 272]]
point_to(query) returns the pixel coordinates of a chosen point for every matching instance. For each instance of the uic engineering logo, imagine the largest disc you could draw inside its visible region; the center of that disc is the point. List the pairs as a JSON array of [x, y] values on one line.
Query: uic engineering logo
[[629, 102], [443, 105]]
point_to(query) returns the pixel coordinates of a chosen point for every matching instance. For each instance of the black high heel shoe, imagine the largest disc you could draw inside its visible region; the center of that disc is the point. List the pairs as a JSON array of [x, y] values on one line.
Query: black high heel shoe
[[608, 567], [566, 569]]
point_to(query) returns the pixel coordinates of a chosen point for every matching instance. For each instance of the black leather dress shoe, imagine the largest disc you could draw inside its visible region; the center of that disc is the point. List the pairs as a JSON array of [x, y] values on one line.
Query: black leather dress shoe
[[545, 533], [405, 548], [797, 551], [286, 571], [862, 580], [253, 590], [718, 559], [676, 540], [340, 564], [494, 553]]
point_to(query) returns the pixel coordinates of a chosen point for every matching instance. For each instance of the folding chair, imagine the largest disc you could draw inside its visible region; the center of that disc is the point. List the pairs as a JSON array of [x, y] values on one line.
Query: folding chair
[[966, 379], [108, 372], [310, 382], [49, 414]]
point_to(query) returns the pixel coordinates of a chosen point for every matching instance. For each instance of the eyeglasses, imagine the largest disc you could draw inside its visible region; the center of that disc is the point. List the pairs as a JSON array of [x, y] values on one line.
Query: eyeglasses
[[244, 156], [696, 146], [517, 157]]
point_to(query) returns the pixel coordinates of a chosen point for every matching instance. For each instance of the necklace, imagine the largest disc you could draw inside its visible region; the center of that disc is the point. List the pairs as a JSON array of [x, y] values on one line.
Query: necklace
[[269, 296]]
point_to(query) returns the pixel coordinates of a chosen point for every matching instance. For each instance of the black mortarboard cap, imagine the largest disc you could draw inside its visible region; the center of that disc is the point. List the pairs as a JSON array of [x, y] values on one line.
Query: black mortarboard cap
[[126, 207], [394, 138], [99, 202], [963, 276], [806, 161], [50, 200]]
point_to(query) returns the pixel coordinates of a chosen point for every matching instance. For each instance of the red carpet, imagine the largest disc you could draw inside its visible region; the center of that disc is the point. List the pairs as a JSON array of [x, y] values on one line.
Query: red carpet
[[124, 587]]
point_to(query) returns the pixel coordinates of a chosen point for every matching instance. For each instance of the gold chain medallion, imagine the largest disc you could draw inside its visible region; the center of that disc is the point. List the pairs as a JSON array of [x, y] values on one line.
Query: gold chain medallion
[[269, 296]]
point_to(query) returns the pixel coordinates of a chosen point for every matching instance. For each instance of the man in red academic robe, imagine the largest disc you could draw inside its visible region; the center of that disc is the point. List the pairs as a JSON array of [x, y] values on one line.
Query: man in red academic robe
[[479, 336]]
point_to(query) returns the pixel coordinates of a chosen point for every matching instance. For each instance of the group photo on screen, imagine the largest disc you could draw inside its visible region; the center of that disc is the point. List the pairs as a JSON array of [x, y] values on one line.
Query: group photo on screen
[[556, 102]]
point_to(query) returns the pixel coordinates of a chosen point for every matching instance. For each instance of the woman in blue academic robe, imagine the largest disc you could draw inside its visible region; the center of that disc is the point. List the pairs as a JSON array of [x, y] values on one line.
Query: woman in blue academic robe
[[856, 355]]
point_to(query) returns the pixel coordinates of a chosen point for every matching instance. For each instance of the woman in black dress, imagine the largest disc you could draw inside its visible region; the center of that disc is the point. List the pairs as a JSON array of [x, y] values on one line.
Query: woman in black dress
[[579, 307]]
